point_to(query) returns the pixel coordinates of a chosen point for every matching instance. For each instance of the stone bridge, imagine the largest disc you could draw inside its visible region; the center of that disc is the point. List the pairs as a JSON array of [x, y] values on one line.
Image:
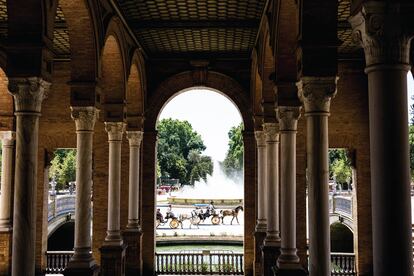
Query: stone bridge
[[60, 211]]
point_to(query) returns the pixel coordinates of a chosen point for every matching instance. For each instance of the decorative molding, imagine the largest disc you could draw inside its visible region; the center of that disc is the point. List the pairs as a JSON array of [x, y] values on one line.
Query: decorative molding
[[378, 28], [316, 93], [260, 138], [7, 138], [134, 138], [84, 116], [271, 132], [28, 93], [288, 117], [115, 130]]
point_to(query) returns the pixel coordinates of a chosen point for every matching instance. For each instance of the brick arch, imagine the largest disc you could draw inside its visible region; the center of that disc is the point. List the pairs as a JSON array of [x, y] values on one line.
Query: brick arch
[[6, 106], [256, 91], [113, 76], [136, 88], [214, 80], [268, 68], [83, 37]]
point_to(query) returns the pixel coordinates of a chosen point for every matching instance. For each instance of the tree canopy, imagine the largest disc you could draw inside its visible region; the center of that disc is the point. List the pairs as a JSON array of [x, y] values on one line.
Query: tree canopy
[[339, 166], [63, 167], [179, 152], [233, 163]]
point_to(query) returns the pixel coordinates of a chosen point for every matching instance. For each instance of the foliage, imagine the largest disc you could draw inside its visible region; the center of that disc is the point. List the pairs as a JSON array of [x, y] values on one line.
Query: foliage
[[63, 167], [179, 152], [339, 166], [233, 163]]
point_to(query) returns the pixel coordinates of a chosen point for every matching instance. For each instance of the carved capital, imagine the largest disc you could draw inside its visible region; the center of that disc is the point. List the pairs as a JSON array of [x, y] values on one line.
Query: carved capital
[[115, 130], [260, 138], [84, 116], [134, 138], [288, 117], [316, 93], [379, 29], [28, 93], [271, 132], [7, 138]]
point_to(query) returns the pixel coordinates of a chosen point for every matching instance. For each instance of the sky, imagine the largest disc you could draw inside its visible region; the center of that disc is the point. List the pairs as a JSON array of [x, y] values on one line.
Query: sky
[[210, 113]]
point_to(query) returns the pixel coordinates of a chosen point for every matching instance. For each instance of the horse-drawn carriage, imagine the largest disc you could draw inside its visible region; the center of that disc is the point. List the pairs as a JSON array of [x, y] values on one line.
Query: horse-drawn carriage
[[197, 216]]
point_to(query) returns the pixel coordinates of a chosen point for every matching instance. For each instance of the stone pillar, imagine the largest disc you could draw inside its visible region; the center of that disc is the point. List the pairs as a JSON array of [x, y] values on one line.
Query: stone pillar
[[28, 94], [288, 261], [113, 249], [383, 30], [261, 224], [271, 246], [82, 262], [132, 235], [316, 94], [7, 140]]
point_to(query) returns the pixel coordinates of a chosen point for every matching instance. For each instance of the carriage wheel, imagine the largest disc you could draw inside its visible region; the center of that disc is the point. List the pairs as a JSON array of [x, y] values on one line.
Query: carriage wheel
[[215, 220], [195, 221], [174, 223], [157, 223]]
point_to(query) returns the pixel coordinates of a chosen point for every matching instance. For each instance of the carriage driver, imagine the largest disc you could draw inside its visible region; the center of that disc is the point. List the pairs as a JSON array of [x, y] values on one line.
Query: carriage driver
[[159, 215], [169, 213], [211, 208]]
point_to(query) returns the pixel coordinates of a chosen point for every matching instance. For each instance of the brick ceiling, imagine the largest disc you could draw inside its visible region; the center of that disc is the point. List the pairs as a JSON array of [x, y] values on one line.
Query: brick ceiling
[[177, 28]]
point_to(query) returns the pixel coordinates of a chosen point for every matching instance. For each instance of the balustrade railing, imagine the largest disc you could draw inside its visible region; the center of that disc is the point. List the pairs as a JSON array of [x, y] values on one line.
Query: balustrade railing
[[57, 261], [200, 263], [61, 205], [343, 264], [341, 204]]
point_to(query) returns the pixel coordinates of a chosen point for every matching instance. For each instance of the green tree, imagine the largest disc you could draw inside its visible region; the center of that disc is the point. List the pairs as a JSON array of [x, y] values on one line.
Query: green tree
[[176, 140], [233, 163], [63, 167], [339, 166]]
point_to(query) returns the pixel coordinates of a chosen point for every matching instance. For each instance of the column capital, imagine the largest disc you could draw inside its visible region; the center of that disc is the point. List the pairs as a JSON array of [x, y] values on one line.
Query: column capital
[[316, 93], [28, 93], [115, 130], [134, 138], [7, 138], [84, 116], [260, 138], [271, 132], [288, 117], [379, 28]]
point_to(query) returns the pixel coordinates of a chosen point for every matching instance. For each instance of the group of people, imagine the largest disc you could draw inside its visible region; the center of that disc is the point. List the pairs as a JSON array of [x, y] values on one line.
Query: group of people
[[170, 214]]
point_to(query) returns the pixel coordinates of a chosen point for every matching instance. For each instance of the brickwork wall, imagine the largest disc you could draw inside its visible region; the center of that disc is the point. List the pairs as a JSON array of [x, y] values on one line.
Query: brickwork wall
[[5, 253]]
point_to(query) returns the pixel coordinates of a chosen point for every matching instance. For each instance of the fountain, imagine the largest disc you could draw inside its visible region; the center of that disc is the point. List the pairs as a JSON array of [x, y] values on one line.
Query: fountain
[[218, 188]]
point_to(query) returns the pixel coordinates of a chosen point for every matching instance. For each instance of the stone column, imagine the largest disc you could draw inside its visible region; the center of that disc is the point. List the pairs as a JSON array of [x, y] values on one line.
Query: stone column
[[132, 235], [113, 249], [383, 30], [7, 138], [316, 94], [7, 142], [82, 262], [271, 246], [261, 224], [28, 94], [288, 261]]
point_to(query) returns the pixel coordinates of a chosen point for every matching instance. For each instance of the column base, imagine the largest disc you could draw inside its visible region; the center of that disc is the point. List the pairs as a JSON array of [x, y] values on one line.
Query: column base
[[133, 262], [81, 268], [113, 260], [258, 240], [295, 270], [6, 237], [269, 258]]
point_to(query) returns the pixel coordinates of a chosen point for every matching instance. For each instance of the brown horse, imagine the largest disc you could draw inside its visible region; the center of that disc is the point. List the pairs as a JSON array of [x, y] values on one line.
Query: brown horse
[[231, 213]]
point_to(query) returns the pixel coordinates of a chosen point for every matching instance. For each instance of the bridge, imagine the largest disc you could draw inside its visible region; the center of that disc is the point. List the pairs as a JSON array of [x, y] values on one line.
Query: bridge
[[340, 209], [60, 211]]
